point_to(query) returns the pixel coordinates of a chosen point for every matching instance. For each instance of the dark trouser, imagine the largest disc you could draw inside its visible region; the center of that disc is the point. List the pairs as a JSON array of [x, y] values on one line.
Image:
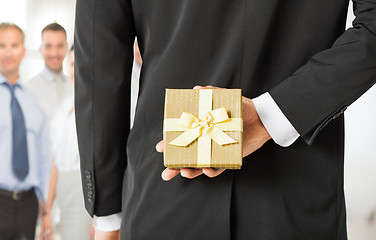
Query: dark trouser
[[18, 215]]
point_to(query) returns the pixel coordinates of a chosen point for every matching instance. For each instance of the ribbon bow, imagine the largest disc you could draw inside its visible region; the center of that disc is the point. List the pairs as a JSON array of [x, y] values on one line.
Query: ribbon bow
[[196, 127]]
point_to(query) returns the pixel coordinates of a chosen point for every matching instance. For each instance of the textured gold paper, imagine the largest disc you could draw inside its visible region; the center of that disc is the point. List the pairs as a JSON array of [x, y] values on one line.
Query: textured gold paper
[[227, 156]]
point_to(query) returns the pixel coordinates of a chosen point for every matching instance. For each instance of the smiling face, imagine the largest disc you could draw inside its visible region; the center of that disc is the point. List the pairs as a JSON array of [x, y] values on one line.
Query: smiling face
[[54, 47], [12, 50]]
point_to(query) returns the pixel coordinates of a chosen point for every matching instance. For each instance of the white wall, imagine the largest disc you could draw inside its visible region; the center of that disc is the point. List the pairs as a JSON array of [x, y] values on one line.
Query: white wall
[[32, 16], [360, 153]]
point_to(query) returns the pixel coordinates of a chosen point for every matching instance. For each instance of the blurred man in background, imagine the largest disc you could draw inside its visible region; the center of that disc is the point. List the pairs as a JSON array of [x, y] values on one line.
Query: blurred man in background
[[25, 160], [65, 183], [51, 85]]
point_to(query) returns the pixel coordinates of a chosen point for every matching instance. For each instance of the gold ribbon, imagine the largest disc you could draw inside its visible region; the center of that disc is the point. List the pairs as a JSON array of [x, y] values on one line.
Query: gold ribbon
[[196, 127], [209, 125]]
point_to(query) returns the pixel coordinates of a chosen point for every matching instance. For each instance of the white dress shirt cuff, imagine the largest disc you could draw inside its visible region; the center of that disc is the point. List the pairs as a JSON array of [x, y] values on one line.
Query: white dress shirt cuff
[[108, 223], [275, 122]]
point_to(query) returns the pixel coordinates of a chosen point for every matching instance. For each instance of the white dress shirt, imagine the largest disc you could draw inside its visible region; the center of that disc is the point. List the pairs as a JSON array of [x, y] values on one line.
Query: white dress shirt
[[37, 142], [275, 122], [51, 89], [134, 88], [64, 138]]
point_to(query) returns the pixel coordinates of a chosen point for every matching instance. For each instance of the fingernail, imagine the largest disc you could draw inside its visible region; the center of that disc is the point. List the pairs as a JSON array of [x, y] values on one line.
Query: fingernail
[[197, 87]]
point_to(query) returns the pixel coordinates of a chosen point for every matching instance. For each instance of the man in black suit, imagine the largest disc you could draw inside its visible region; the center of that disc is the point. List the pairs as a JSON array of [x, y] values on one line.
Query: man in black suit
[[296, 62]]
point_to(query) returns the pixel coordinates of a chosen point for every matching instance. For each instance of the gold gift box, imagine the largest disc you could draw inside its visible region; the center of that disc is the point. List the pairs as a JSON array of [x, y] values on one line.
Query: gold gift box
[[198, 133]]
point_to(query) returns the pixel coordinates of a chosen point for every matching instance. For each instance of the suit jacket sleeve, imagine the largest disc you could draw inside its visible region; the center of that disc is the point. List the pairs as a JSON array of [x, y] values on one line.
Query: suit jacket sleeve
[[104, 36], [320, 91]]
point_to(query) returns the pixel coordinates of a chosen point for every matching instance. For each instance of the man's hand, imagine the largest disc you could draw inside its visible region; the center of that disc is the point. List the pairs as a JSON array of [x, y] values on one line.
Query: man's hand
[[46, 229], [254, 136], [115, 235]]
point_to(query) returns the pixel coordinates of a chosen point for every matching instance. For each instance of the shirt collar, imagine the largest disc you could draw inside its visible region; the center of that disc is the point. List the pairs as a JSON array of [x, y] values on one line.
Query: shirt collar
[[3, 80], [51, 75]]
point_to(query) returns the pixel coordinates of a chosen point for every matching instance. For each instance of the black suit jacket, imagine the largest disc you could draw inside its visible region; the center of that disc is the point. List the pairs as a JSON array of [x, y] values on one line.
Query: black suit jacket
[[298, 51]]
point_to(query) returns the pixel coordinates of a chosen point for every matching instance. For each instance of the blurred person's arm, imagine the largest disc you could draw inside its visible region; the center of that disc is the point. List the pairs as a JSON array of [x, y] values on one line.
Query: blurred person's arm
[[44, 165], [44, 162], [115, 235], [47, 226], [52, 188]]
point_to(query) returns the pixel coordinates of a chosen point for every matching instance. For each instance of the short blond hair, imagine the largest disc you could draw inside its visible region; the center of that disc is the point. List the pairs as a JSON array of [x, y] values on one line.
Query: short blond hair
[[7, 25]]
